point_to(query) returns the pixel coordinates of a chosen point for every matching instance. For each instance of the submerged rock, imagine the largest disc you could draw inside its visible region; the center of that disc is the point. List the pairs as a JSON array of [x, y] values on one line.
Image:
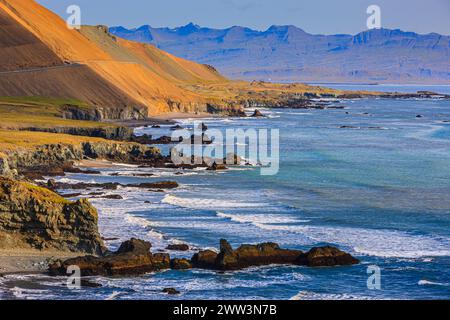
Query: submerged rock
[[257, 114], [171, 291]]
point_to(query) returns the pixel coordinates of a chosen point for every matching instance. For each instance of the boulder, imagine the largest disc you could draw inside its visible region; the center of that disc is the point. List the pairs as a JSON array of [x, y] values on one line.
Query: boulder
[[257, 114], [180, 264], [132, 258], [178, 247], [217, 167], [326, 257], [253, 255], [205, 259], [266, 254], [171, 291]]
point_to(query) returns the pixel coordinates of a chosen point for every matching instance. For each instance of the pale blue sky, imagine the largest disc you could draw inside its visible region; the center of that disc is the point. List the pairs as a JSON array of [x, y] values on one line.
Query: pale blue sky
[[314, 16]]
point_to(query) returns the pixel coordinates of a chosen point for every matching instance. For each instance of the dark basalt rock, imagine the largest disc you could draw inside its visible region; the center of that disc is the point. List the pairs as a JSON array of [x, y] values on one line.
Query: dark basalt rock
[[257, 114], [32, 217], [132, 258], [266, 254], [171, 291], [217, 167], [253, 255], [205, 259], [89, 284], [135, 246], [326, 257], [178, 247], [176, 127], [112, 197], [52, 184], [180, 264]]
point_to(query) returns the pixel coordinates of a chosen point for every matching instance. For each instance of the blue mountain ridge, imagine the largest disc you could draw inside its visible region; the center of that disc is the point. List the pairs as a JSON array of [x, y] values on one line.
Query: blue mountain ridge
[[288, 53]]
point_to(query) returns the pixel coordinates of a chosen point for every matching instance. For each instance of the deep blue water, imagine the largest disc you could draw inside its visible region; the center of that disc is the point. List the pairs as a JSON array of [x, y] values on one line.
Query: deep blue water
[[379, 190]]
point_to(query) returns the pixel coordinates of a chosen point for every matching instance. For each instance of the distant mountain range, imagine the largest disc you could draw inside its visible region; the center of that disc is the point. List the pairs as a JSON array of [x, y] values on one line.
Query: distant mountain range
[[287, 53]]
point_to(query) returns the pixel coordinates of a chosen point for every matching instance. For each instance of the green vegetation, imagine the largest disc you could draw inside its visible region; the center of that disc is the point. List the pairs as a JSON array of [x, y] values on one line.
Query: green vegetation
[[44, 194], [13, 140], [41, 112]]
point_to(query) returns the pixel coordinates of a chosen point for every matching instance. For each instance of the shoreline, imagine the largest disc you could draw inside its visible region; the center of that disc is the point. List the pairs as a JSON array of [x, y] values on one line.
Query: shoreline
[[29, 261], [164, 119]]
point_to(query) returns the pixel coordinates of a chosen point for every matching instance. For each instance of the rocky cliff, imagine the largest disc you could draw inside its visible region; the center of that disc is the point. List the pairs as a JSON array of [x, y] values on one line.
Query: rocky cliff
[[36, 218], [57, 155]]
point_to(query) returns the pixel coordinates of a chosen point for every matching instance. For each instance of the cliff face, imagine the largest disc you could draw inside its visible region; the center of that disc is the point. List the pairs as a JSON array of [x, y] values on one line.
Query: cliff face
[[36, 218], [53, 155], [32, 217]]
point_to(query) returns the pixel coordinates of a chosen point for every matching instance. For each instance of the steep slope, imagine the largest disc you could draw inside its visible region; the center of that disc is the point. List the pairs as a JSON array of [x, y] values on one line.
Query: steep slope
[[289, 53], [19, 49], [164, 64], [56, 61]]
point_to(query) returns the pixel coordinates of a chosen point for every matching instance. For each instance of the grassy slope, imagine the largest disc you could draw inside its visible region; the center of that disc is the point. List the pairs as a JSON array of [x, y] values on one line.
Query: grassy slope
[[15, 140], [20, 112]]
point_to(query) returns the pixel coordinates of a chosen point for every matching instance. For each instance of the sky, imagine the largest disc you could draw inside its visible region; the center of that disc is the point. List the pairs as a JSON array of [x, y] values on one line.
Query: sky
[[314, 16]]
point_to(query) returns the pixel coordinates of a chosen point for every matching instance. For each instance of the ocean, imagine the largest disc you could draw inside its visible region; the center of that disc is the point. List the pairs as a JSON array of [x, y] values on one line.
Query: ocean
[[371, 179]]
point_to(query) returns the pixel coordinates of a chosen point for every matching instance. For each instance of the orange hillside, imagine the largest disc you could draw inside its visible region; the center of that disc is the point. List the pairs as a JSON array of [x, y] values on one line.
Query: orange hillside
[[92, 66]]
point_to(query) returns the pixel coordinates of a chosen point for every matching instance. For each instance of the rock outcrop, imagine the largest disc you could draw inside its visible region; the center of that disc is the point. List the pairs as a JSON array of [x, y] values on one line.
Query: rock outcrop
[[107, 132], [54, 185], [51, 157], [178, 247], [132, 258], [36, 218], [180, 264], [257, 114], [266, 254], [326, 256]]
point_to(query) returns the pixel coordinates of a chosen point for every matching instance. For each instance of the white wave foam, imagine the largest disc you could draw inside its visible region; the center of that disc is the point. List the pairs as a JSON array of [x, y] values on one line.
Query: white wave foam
[[114, 295], [381, 243], [306, 295], [431, 283], [202, 203], [260, 218]]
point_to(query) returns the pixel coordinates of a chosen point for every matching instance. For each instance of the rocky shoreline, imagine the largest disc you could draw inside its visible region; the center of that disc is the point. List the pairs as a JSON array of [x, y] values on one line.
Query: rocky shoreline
[[33, 216], [134, 258]]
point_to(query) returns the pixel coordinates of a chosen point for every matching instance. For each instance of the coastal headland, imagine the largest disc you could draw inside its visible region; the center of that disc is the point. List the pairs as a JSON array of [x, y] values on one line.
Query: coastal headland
[[75, 96]]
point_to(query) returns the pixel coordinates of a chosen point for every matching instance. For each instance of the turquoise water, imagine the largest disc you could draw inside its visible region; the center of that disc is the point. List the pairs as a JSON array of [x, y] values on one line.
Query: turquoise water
[[442, 89], [379, 189]]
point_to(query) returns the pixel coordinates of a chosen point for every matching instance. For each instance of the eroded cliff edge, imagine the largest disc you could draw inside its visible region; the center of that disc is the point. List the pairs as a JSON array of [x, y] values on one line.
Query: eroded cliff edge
[[36, 218], [32, 217]]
